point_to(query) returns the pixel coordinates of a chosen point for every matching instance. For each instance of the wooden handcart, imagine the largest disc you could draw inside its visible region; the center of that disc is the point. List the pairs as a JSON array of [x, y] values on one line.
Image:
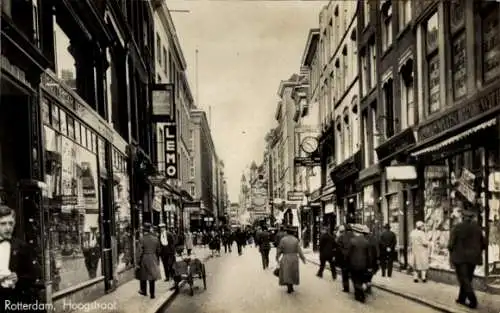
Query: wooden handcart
[[190, 269]]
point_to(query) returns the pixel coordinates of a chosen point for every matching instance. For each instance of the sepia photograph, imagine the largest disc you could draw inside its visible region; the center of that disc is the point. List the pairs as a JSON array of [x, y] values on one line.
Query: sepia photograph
[[250, 156]]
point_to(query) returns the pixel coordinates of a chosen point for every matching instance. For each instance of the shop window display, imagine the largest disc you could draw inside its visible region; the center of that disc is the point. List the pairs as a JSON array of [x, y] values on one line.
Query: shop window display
[[72, 204], [122, 213], [451, 187], [494, 213]]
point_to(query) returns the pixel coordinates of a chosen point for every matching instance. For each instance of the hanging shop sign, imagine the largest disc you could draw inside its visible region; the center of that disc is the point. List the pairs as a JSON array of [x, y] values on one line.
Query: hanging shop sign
[[192, 207], [171, 162], [307, 161], [466, 113], [163, 101]]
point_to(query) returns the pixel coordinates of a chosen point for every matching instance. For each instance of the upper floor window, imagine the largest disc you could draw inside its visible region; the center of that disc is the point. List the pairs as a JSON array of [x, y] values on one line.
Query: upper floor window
[[339, 140], [490, 43], [433, 66], [366, 11], [366, 147], [347, 135], [365, 72], [65, 60], [405, 14], [458, 51], [407, 95], [386, 24], [375, 131], [165, 61], [158, 49], [373, 65], [389, 108]]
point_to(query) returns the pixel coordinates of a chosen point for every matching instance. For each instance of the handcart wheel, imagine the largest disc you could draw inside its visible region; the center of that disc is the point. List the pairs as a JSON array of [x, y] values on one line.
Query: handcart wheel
[[204, 277]]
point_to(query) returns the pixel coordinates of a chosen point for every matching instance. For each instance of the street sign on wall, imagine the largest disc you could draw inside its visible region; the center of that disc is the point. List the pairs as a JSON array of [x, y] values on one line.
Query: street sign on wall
[[307, 161]]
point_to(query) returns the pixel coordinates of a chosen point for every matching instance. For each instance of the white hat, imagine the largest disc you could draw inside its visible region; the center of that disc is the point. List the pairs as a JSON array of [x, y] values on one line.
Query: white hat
[[162, 225], [419, 224]]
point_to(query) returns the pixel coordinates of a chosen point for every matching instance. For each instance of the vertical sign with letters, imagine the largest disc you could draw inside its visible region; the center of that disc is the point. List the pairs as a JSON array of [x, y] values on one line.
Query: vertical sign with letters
[[170, 132]]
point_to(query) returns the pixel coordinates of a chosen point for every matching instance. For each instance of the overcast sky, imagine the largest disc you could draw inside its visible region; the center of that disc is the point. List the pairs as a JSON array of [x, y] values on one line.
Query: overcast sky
[[245, 49]]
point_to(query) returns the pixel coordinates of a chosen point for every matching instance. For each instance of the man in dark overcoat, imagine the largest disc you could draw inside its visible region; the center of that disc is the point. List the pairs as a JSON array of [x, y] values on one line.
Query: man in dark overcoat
[[327, 252], [466, 245], [343, 242], [148, 266], [360, 260], [387, 248], [263, 239], [241, 240], [21, 277]]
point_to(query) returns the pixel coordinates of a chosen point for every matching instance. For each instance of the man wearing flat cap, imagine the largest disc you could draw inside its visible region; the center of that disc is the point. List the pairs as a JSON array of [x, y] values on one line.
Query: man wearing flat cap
[[360, 259], [466, 245]]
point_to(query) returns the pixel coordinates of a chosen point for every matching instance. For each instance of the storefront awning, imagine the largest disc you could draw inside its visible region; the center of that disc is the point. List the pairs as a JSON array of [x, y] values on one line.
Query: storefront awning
[[456, 138]]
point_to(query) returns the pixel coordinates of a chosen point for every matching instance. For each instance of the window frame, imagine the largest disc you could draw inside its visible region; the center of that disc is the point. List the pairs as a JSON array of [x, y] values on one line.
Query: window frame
[[457, 32], [386, 24], [485, 12], [431, 53]]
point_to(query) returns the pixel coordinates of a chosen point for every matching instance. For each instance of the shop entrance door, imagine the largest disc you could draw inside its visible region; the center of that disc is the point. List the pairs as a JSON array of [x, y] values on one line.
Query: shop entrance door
[[106, 228]]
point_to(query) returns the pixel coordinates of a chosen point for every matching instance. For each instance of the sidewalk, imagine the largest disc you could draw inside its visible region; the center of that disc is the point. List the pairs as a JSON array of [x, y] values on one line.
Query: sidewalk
[[126, 299], [436, 295]]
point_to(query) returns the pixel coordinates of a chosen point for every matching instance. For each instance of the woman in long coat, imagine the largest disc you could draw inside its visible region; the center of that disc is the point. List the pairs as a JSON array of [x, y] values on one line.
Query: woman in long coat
[[148, 267], [290, 251], [419, 245]]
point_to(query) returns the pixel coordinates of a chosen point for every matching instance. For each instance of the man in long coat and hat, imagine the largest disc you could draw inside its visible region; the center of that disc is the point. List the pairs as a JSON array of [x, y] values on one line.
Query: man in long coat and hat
[[466, 245], [360, 259], [148, 267], [289, 250], [167, 242]]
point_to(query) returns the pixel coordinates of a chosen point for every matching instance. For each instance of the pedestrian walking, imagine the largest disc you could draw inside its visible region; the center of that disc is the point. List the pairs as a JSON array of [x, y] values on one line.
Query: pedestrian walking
[[148, 269], [263, 238], [387, 248], [289, 250], [419, 245], [343, 243], [360, 260], [167, 251], [466, 245], [374, 258], [327, 251], [240, 237], [189, 242]]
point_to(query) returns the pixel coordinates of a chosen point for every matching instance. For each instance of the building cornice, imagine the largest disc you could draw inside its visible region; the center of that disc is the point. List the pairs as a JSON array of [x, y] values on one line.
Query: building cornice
[[168, 25], [311, 47]]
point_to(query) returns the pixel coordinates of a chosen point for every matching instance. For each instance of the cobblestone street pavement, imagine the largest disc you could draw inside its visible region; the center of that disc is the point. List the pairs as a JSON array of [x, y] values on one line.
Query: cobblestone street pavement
[[239, 284]]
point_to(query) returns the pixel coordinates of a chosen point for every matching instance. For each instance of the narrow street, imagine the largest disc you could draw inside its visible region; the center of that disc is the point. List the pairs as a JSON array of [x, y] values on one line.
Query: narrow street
[[238, 284]]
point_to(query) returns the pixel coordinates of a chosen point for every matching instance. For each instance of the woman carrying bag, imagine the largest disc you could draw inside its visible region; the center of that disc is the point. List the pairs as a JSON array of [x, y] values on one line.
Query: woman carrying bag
[[289, 250]]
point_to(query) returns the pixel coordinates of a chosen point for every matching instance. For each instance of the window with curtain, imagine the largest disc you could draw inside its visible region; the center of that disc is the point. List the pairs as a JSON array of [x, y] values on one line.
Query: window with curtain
[[355, 124], [490, 42], [407, 98], [366, 147], [373, 65], [389, 108], [347, 135], [433, 66], [458, 49], [366, 12], [365, 72], [405, 14], [375, 132], [339, 142], [386, 24]]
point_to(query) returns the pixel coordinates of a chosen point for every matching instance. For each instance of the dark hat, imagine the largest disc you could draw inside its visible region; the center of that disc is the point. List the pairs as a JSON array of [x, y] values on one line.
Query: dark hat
[[146, 226], [387, 226]]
